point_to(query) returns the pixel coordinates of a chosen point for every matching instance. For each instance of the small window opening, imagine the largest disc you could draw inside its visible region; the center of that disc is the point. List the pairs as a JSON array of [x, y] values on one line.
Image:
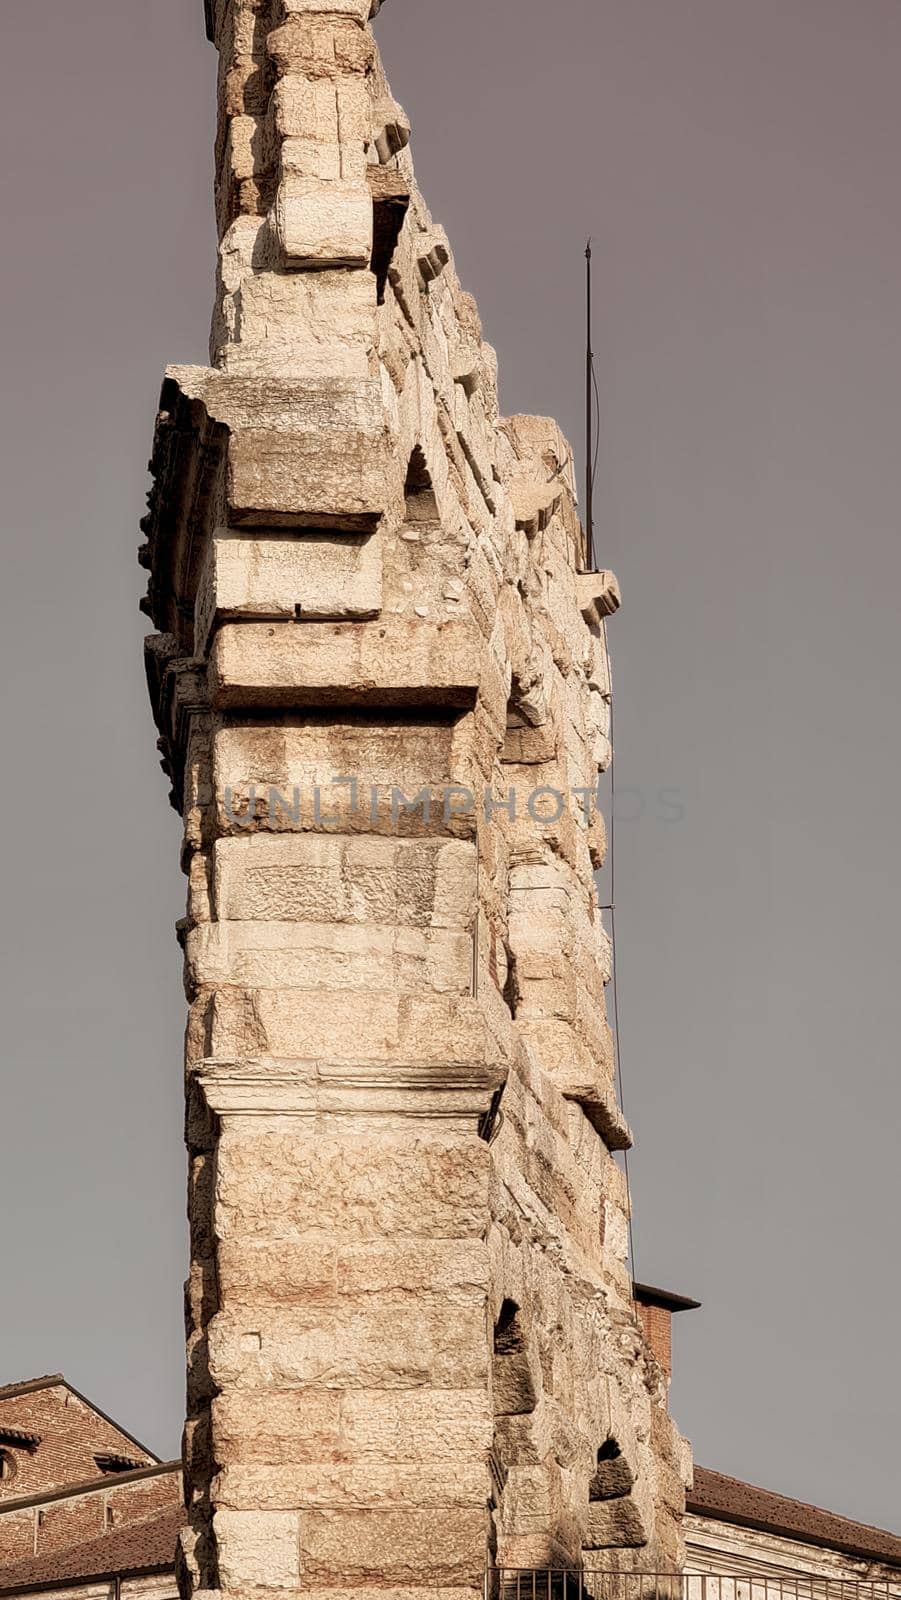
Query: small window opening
[[8, 1468], [419, 493], [109, 1463], [612, 1478], [389, 210], [508, 1337]]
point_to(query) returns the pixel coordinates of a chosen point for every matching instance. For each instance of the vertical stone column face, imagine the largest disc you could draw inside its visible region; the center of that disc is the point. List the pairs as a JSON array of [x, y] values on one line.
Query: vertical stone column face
[[381, 686]]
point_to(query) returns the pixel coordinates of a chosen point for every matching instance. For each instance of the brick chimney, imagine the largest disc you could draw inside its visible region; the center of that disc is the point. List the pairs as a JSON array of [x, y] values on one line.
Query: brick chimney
[[655, 1309]]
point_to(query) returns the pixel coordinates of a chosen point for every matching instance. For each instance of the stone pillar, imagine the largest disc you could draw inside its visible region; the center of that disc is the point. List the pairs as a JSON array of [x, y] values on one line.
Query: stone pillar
[[380, 681]]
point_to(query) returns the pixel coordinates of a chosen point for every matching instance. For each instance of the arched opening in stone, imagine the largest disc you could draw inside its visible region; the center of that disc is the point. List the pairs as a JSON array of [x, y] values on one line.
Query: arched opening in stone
[[615, 1518], [508, 1335], [613, 1477], [527, 742], [515, 1369], [419, 494], [390, 203]]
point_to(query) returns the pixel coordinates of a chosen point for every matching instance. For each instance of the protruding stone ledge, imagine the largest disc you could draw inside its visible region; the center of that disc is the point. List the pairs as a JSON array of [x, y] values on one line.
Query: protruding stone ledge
[[362, 1032], [293, 406], [356, 956], [361, 9], [178, 692], [269, 453], [534, 504], [252, 577], [284, 665], [323, 223], [401, 1091], [433, 255], [600, 1107], [391, 129], [599, 595]]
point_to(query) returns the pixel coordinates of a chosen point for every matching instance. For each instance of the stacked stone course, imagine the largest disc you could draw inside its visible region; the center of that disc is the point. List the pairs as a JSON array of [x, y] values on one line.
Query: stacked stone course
[[410, 1325]]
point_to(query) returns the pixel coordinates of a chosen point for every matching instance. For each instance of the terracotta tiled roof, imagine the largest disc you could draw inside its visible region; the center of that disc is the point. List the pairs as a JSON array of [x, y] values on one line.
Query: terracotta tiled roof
[[730, 1500], [141, 1547]]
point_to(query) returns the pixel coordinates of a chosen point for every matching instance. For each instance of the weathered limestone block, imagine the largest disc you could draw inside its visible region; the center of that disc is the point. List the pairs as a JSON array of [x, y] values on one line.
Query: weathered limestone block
[[421, 1425], [527, 1501], [599, 596], [315, 166], [323, 214], [611, 1480], [258, 1548], [271, 955], [309, 453], [615, 1525], [417, 883], [321, 45], [394, 1547], [326, 576], [397, 1347], [323, 224], [270, 1272], [282, 1185], [390, 762], [285, 665], [528, 746], [277, 1427], [319, 111], [390, 128], [516, 1388], [392, 1028], [566, 1168], [239, 163], [272, 324], [364, 1486], [362, 10]]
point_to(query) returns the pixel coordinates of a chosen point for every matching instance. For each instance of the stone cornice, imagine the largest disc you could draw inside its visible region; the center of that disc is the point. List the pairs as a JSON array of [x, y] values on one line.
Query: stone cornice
[[399, 1090]]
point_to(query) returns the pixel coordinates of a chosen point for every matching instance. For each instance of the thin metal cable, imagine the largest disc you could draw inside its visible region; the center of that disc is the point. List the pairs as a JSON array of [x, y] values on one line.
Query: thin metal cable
[[614, 951], [597, 436], [593, 436], [597, 452]]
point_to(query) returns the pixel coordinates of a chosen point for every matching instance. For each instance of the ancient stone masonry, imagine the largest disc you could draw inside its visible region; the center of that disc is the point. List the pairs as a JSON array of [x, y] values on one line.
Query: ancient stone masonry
[[412, 1348]]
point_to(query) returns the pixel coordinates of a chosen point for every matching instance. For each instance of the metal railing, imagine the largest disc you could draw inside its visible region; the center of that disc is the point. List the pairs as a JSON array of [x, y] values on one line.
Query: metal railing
[[527, 1583]]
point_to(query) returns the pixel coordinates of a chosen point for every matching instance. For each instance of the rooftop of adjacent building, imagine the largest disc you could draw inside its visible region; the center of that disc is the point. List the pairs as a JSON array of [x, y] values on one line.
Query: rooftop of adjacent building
[[725, 1499], [80, 1496], [137, 1550], [51, 1435]]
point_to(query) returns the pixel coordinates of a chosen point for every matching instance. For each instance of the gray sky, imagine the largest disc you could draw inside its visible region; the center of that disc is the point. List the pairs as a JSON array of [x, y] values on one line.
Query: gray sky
[[736, 162]]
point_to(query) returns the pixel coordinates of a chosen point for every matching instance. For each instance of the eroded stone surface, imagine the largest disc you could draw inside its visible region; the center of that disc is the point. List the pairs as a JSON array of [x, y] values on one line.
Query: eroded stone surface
[[411, 1340]]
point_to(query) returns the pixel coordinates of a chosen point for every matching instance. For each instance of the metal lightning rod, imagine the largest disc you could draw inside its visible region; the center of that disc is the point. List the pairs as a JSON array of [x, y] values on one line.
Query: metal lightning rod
[[589, 420]]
